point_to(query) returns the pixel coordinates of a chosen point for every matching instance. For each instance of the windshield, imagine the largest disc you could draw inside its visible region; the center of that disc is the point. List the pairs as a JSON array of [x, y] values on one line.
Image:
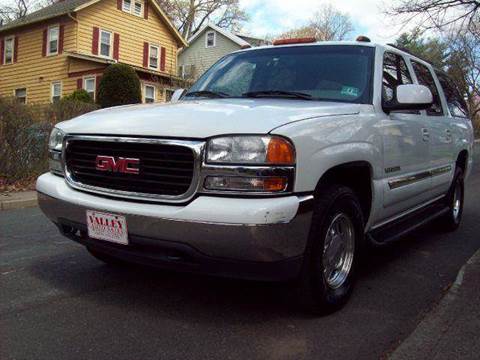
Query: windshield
[[328, 72]]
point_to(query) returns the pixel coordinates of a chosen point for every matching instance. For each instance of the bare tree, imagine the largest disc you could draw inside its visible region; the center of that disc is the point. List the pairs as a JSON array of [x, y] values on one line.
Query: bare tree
[[439, 14], [17, 9], [190, 15], [325, 25], [466, 50]]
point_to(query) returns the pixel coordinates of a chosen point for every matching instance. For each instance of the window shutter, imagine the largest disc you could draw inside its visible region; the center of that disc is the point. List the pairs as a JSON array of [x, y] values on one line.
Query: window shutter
[[116, 46], [145, 54], [61, 34], [145, 10], [1, 50], [95, 35], [162, 59], [79, 84], [44, 44], [15, 49], [119, 4], [97, 83]]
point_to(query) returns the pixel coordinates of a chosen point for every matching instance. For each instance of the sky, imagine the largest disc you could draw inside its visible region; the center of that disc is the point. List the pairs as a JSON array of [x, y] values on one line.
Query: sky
[[269, 17]]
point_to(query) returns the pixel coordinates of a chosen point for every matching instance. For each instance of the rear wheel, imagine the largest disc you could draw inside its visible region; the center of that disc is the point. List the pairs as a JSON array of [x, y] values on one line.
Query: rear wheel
[[451, 220], [336, 237]]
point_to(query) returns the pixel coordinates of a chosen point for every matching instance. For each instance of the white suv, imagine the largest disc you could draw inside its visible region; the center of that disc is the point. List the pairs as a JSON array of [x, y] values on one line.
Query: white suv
[[280, 163]]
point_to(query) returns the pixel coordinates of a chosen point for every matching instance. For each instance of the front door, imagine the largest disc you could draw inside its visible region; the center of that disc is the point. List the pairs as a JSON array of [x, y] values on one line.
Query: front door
[[406, 139]]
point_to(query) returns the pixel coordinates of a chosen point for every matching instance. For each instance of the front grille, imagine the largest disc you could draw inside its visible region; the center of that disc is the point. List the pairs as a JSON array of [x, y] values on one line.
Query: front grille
[[164, 169]]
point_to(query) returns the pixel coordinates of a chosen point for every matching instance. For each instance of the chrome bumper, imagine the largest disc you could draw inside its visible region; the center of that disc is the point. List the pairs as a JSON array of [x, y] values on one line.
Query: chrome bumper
[[259, 230]]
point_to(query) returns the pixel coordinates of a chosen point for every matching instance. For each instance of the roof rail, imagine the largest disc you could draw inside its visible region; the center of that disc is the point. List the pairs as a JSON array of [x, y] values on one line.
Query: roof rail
[[401, 48]]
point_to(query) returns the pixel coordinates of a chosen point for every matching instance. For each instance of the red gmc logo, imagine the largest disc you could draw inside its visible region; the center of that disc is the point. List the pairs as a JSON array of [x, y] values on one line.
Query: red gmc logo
[[120, 165]]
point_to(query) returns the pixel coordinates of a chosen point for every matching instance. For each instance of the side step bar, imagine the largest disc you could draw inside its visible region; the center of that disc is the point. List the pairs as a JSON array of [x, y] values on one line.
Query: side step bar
[[396, 230]]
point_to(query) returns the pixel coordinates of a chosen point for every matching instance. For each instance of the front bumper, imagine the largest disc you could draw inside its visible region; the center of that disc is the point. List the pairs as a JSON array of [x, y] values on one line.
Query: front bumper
[[239, 237]]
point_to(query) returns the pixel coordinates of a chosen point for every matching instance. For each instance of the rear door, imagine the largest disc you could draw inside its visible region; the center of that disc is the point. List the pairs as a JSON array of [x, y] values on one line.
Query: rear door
[[440, 131], [406, 146]]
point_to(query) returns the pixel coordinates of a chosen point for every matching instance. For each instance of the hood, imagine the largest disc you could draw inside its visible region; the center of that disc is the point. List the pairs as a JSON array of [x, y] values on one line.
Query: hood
[[203, 118]]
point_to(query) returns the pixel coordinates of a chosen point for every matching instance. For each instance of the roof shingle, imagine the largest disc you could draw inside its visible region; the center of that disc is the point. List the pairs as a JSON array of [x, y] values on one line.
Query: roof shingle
[[57, 9]]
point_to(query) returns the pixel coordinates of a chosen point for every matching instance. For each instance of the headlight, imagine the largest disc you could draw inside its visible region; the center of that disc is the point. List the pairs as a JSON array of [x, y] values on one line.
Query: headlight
[[56, 139], [251, 150], [55, 145], [249, 164]]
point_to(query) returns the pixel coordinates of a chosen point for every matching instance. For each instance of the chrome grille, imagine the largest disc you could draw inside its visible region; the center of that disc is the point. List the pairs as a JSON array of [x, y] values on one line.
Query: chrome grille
[[167, 168]]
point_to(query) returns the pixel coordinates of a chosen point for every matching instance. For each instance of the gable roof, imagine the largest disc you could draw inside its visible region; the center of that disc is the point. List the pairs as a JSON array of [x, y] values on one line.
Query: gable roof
[[68, 6], [237, 40]]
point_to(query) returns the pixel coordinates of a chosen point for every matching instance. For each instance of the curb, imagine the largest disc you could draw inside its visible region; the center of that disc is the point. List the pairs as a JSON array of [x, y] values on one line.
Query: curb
[[13, 204], [420, 342]]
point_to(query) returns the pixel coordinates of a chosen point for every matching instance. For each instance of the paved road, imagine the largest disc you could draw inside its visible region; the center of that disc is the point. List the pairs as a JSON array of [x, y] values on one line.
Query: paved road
[[57, 302]]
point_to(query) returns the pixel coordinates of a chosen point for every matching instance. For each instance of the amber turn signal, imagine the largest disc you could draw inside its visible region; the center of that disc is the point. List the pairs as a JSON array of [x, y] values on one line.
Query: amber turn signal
[[280, 152], [275, 184]]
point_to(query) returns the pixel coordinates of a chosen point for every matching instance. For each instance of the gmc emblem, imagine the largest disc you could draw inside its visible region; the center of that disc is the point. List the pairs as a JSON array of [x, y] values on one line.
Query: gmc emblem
[[120, 165]]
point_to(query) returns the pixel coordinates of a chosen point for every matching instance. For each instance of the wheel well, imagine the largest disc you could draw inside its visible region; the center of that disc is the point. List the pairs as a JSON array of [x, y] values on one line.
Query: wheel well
[[355, 175], [462, 160]]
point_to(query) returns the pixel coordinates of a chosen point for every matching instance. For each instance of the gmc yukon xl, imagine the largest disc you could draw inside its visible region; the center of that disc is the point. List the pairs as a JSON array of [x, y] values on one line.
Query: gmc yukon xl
[[280, 163]]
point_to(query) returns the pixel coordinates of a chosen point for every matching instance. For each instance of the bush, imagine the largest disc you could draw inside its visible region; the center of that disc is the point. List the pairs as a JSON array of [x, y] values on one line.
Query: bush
[[79, 95], [120, 85], [24, 132]]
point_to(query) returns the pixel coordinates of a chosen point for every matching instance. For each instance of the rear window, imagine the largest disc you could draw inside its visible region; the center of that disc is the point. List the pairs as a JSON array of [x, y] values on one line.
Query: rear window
[[455, 102], [329, 72]]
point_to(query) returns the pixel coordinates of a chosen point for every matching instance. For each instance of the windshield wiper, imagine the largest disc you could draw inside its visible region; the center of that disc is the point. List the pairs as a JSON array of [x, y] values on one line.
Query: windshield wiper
[[278, 93], [207, 93]]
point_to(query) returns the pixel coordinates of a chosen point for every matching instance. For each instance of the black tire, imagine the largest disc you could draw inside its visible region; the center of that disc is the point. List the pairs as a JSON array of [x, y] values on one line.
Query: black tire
[[454, 200], [317, 295], [107, 259]]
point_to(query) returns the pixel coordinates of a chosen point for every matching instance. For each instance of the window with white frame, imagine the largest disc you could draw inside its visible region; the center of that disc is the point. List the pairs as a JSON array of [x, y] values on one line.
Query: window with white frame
[[138, 8], [211, 39], [105, 43], [127, 5], [153, 57], [56, 91], [134, 7], [8, 50], [21, 95], [52, 42], [89, 86], [149, 94]]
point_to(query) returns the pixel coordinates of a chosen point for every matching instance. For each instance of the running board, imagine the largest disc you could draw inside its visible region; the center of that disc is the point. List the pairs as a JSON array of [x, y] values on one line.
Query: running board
[[396, 230]]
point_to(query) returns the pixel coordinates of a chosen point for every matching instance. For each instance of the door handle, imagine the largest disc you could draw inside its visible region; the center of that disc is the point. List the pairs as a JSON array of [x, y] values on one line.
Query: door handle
[[448, 135], [425, 135]]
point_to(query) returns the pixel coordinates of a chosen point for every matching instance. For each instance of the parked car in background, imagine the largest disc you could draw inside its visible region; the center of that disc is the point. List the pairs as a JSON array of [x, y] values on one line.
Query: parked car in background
[[281, 163]]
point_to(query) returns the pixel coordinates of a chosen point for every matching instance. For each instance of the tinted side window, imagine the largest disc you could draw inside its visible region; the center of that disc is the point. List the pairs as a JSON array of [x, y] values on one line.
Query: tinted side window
[[425, 78], [456, 104], [395, 73]]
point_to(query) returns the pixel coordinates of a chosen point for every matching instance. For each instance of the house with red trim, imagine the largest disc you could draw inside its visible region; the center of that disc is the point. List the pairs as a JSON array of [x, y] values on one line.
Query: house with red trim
[[68, 45]]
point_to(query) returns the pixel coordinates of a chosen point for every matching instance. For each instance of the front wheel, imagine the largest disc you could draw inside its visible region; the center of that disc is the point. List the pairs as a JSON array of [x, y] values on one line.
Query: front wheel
[[336, 237]]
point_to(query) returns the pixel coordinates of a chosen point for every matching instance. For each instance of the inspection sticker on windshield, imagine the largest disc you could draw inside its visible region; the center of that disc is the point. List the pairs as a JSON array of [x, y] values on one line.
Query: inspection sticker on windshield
[[350, 91], [108, 227]]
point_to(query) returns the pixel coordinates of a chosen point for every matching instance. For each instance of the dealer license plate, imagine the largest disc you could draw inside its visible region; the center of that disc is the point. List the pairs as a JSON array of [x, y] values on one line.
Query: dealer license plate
[[107, 227]]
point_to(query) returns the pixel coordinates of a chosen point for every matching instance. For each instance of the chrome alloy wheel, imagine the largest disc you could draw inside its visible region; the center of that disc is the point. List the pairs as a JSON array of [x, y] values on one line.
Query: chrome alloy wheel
[[338, 251], [457, 202]]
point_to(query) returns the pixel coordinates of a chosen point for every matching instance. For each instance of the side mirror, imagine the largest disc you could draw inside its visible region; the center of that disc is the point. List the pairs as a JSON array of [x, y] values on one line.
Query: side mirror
[[409, 97], [177, 95]]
